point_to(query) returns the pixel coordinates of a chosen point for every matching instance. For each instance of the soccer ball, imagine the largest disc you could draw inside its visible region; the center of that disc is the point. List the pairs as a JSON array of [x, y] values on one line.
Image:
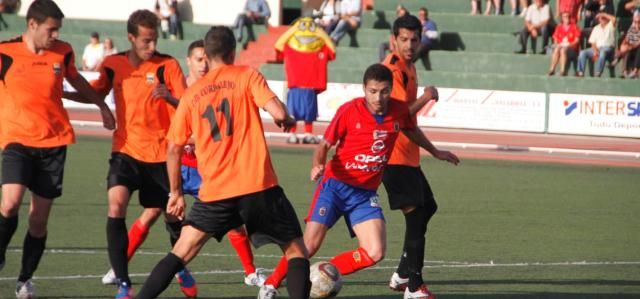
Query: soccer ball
[[326, 280]]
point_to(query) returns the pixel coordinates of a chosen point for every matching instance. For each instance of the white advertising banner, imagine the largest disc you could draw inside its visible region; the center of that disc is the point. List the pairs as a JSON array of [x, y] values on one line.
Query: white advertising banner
[[486, 110], [89, 76], [278, 87], [336, 94], [594, 115]]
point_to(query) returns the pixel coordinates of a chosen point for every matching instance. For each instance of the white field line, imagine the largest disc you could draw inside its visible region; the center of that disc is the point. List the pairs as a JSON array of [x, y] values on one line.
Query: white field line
[[461, 145], [430, 264]]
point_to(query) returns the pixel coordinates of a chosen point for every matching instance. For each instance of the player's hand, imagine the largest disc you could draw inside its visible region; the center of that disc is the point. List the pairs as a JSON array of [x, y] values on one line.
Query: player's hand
[[108, 121], [431, 92], [176, 206], [287, 124], [316, 172], [447, 156], [160, 91]]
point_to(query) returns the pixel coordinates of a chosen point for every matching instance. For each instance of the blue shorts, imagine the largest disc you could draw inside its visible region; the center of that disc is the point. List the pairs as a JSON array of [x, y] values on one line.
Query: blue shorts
[[191, 180], [335, 199], [303, 104]]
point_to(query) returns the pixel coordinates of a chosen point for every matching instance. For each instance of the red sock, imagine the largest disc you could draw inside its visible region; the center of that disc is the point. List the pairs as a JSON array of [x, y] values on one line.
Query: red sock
[[294, 129], [352, 261], [279, 273], [240, 242], [137, 234], [308, 128]]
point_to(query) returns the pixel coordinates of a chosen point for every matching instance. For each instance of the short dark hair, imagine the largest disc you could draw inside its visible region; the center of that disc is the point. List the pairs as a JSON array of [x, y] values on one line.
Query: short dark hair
[[425, 10], [195, 44], [408, 22], [219, 42], [377, 72], [95, 35], [141, 17], [40, 10]]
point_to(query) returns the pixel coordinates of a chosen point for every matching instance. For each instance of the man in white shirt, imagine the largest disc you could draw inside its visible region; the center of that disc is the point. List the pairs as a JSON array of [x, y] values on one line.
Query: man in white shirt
[[93, 53], [602, 41], [537, 22], [350, 13]]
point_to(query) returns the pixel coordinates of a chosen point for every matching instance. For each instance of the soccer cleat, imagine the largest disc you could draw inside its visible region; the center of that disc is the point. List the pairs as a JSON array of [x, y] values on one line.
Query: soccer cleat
[[124, 291], [310, 139], [256, 278], [188, 285], [25, 290], [110, 278], [398, 283], [293, 139], [421, 293], [267, 292]]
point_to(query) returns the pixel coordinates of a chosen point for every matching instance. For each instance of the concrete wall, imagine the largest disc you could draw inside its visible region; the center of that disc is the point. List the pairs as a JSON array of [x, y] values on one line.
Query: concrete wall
[[214, 12]]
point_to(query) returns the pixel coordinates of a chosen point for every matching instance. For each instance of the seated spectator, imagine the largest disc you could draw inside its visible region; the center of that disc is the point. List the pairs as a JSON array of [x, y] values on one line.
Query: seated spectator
[[602, 40], [109, 47], [428, 39], [255, 12], [630, 47], [350, 13], [518, 7], [328, 14], [93, 53], [167, 11], [573, 7], [566, 38], [591, 9], [633, 6], [537, 22], [386, 46], [475, 7]]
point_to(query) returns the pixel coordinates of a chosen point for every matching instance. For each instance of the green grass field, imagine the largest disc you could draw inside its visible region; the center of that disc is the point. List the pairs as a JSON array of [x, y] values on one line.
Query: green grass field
[[503, 230]]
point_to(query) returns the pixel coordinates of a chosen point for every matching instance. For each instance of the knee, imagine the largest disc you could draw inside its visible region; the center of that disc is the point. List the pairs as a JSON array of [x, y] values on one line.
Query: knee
[[9, 209], [37, 226], [376, 253], [312, 246]]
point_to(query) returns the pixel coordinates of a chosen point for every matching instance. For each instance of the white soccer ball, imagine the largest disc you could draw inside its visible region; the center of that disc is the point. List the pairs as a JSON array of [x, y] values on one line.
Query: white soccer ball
[[326, 280]]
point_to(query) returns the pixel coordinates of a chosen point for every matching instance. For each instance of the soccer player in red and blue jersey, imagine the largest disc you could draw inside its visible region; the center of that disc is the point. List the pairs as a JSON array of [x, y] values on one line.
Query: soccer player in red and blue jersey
[[364, 131]]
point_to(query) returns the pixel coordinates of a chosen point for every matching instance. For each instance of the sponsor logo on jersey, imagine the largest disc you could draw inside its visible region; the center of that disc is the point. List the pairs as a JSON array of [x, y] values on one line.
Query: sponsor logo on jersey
[[57, 69], [150, 78]]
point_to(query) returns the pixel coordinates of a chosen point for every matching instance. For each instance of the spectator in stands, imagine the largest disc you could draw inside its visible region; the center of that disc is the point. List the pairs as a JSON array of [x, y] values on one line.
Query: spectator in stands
[[566, 38], [93, 53], [2, 10], [630, 47], [475, 7], [167, 11], [350, 13], [109, 47], [328, 15], [537, 22], [602, 40], [573, 7], [632, 6], [519, 7], [386, 46], [591, 9], [255, 12], [428, 39]]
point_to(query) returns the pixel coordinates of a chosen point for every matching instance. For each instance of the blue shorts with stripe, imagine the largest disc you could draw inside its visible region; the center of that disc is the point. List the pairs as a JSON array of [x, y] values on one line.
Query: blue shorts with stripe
[[191, 180], [303, 104], [335, 199]]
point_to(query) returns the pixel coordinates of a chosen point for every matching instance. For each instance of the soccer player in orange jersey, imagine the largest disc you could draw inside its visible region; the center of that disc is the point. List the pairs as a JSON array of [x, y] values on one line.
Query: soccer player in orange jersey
[[35, 129], [403, 179], [239, 184]]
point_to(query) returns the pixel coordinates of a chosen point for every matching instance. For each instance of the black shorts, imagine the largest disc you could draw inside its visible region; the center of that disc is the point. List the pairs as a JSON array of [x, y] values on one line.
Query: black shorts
[[40, 169], [150, 179], [407, 187], [268, 216]]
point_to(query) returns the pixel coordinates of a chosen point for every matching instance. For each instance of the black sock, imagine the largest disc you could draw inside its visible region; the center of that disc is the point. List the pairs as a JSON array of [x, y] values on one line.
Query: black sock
[[416, 228], [161, 276], [402, 270], [174, 229], [32, 252], [117, 243], [7, 229], [298, 283]]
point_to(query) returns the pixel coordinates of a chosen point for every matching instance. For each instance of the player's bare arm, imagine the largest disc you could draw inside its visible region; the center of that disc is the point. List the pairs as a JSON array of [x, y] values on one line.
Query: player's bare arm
[[162, 92], [430, 94], [319, 160], [176, 205], [88, 95], [417, 136], [278, 111]]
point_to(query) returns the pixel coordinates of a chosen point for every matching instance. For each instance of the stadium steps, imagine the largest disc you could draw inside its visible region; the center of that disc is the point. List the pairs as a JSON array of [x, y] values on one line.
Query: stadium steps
[[535, 83], [261, 51], [450, 6]]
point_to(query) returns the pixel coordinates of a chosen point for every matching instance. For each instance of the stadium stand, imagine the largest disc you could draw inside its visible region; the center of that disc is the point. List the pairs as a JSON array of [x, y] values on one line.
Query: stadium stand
[[475, 52]]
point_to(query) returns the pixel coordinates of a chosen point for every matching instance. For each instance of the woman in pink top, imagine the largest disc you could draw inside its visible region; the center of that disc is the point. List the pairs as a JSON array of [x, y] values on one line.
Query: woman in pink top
[[566, 37]]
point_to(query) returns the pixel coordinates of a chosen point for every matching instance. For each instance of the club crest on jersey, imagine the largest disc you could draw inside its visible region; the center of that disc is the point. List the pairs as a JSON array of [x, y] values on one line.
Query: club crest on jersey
[[57, 69], [374, 201], [322, 211], [396, 126], [150, 78], [358, 126]]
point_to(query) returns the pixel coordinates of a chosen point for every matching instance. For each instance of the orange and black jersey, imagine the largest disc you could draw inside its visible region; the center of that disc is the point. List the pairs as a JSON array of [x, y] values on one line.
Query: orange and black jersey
[[31, 110], [142, 121]]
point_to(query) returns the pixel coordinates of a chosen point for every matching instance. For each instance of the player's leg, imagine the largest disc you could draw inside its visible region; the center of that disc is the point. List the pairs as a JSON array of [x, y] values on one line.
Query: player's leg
[[240, 241], [36, 236], [187, 247], [371, 239]]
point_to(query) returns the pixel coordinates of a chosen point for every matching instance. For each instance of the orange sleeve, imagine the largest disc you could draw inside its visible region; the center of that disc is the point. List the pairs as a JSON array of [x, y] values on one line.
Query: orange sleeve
[[259, 89], [398, 91], [71, 72], [180, 129], [177, 83], [104, 82]]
